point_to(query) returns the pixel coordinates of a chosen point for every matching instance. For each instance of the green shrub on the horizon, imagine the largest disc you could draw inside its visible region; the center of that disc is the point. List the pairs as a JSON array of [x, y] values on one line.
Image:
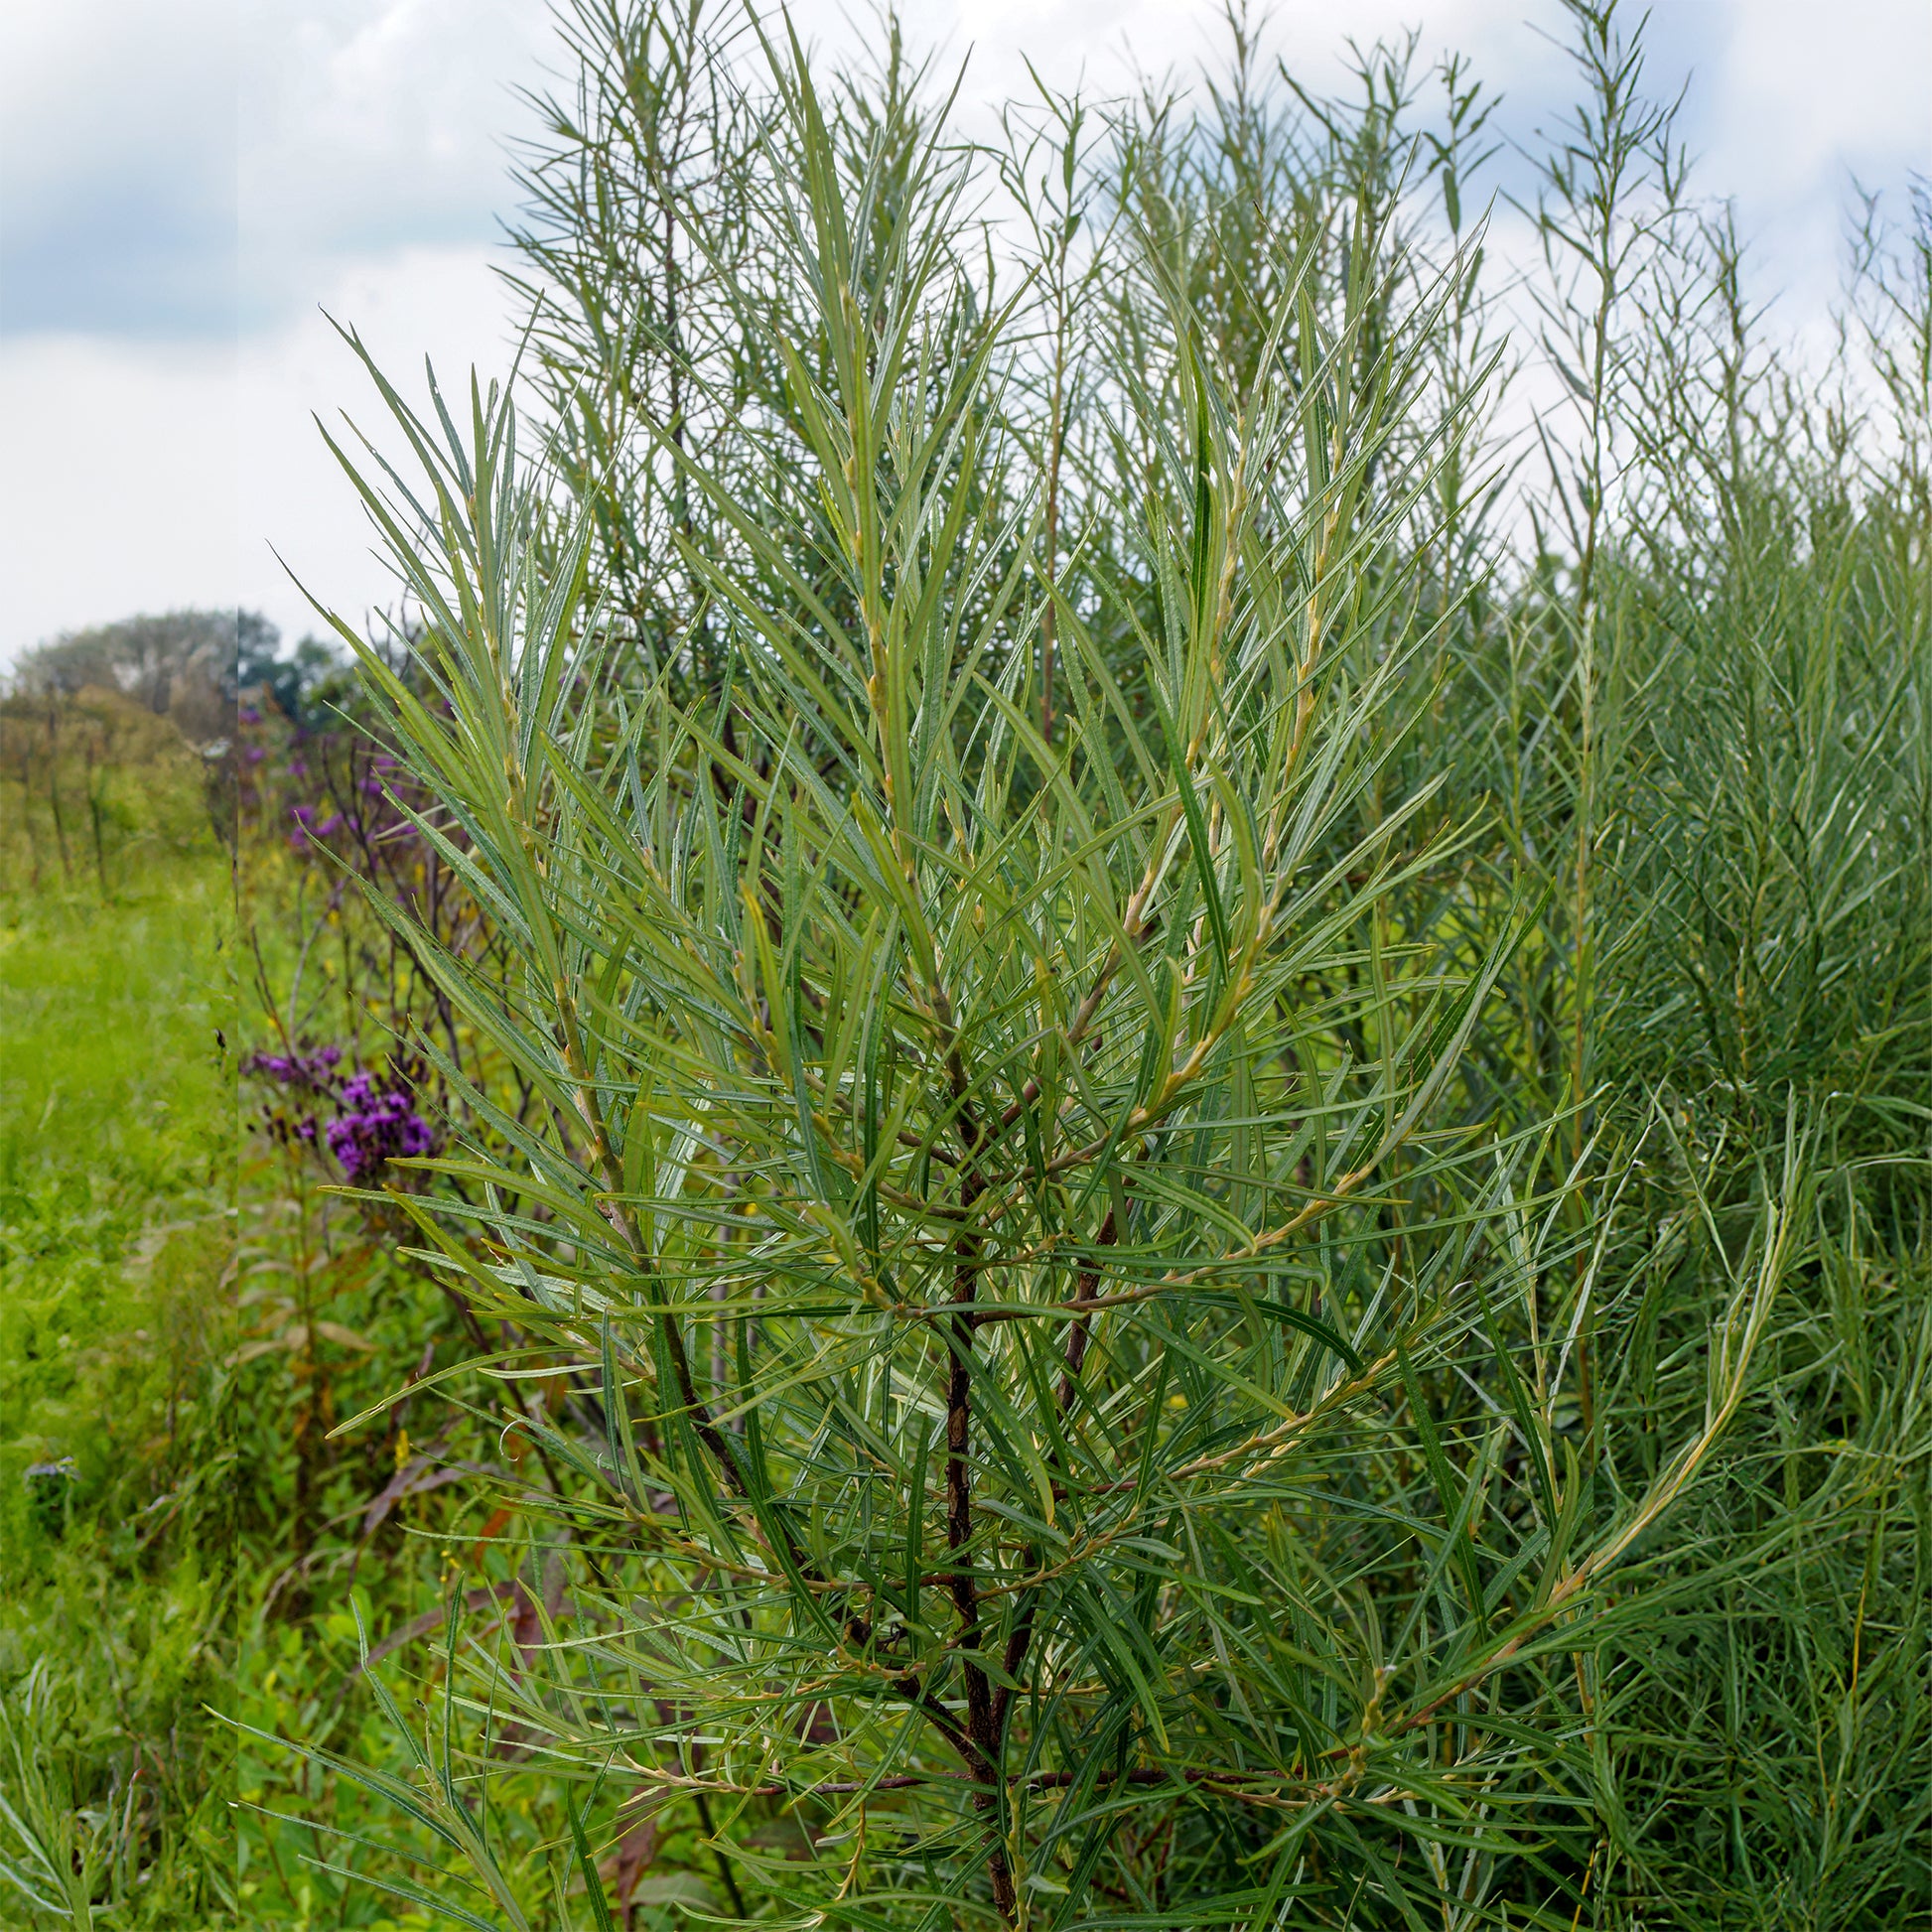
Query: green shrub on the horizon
[[179, 665], [98, 794]]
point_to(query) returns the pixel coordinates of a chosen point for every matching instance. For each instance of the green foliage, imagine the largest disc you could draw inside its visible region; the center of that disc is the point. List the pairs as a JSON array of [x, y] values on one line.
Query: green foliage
[[1195, 1167], [93, 787], [178, 666], [1183, 1111], [116, 1236]]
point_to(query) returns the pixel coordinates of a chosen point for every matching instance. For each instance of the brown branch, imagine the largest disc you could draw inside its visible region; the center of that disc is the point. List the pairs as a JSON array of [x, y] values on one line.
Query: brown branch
[[1020, 1641], [1084, 1298], [982, 1725]]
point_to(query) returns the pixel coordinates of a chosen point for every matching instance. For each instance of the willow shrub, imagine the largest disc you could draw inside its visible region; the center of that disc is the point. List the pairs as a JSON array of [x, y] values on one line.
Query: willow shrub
[[990, 1265]]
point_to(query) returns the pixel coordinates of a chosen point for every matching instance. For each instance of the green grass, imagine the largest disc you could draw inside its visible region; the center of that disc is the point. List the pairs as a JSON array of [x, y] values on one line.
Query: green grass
[[117, 1140]]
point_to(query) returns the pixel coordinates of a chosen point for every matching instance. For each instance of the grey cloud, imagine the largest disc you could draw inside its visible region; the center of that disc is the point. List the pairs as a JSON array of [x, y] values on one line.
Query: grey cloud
[[117, 170], [149, 255], [164, 176]]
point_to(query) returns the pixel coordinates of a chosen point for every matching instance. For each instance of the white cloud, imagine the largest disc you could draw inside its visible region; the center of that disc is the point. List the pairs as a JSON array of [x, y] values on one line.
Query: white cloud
[[370, 125], [443, 304], [117, 485], [117, 168], [97, 84], [1799, 104], [1802, 94], [141, 478]]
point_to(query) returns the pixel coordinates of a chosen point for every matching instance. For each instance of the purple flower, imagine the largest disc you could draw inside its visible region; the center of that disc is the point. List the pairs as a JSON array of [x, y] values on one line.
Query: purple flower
[[314, 1072], [297, 768], [253, 753], [377, 1124], [307, 831], [376, 1117], [250, 716]]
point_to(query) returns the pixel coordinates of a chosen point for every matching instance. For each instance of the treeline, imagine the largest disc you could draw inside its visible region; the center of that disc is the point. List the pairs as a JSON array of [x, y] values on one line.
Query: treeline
[[126, 733]]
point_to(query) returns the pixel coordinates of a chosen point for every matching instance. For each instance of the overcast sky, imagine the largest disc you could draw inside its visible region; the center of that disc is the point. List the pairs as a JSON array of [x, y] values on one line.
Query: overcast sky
[[185, 188]]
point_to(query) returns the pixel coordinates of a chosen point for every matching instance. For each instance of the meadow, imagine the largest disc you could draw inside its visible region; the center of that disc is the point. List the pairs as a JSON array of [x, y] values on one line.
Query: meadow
[[1092, 1091], [117, 1211]]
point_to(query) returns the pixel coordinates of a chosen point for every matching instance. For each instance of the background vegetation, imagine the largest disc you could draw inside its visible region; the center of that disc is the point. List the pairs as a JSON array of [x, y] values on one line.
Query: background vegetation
[[1128, 1002], [117, 1206]]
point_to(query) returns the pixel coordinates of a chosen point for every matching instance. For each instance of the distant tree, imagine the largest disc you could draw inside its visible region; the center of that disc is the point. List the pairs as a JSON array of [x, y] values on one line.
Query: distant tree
[[256, 642], [180, 665], [144, 656], [186, 665], [292, 683]]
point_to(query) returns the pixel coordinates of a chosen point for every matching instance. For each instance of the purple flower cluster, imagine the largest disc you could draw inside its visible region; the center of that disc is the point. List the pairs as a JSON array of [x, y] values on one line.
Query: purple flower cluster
[[361, 798], [313, 1072], [379, 1124], [375, 1122], [310, 830]]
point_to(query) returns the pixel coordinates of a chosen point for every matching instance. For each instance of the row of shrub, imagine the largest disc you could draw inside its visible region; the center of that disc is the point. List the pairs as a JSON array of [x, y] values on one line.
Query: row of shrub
[[1182, 1105]]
